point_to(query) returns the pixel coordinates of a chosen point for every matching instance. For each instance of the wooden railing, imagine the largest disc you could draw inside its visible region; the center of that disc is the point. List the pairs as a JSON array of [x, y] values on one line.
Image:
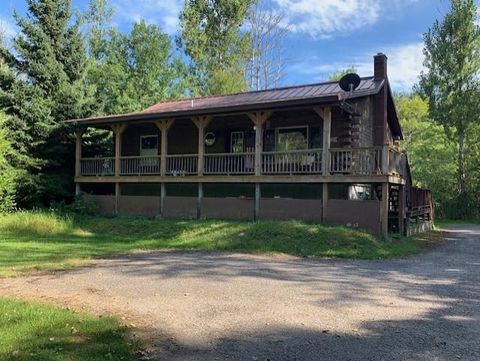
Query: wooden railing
[[292, 162], [396, 162], [97, 166], [140, 165], [342, 161], [182, 164], [229, 163], [358, 161]]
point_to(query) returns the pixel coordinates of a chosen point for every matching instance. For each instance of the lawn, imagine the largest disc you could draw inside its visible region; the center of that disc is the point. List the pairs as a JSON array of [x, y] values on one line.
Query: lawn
[[34, 331], [32, 241]]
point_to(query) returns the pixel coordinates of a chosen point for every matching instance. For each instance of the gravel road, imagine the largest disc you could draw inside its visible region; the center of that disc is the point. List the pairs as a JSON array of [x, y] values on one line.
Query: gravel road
[[221, 306]]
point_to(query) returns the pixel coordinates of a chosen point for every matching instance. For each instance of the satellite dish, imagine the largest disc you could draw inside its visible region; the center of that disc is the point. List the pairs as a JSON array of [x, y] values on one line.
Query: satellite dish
[[350, 82]]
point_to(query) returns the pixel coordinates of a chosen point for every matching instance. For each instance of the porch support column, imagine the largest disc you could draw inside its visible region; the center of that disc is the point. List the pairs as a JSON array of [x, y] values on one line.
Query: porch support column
[[199, 200], [326, 114], [259, 119], [384, 208], [401, 210], [258, 195], [118, 130], [78, 157], [324, 202], [164, 125], [385, 159], [201, 123], [162, 199]]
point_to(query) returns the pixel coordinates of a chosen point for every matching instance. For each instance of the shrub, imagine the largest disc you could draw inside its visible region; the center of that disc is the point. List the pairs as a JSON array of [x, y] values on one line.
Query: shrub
[[82, 205]]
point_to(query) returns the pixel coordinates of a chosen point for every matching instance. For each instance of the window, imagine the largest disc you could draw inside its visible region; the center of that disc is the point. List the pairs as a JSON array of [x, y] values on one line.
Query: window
[[237, 142], [292, 139], [148, 145]]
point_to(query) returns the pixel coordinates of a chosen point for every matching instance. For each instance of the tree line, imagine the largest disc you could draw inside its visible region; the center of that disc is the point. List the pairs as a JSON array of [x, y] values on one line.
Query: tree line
[[65, 64]]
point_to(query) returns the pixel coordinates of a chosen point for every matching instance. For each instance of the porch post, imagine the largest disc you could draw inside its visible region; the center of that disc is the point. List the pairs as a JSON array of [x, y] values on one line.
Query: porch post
[[162, 199], [118, 129], [164, 125], [324, 202], [385, 159], [326, 114], [258, 195], [259, 119], [401, 209], [384, 208], [199, 200], [78, 157], [201, 123]]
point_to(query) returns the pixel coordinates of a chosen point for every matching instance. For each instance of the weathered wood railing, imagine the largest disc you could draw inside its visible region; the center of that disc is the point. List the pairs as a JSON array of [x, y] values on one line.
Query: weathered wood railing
[[229, 163], [292, 162], [342, 161], [396, 162], [140, 165], [182, 164], [362, 161], [97, 166]]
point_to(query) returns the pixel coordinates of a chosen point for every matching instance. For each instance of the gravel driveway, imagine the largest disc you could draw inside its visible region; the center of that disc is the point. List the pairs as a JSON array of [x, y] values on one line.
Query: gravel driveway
[[218, 306]]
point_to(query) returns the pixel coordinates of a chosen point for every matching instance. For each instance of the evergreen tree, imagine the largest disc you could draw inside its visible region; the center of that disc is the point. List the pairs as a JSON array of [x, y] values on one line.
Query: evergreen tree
[[212, 38], [450, 81], [42, 85]]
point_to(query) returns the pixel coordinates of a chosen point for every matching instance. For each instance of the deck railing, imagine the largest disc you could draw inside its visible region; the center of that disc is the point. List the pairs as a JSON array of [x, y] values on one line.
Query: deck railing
[[182, 164], [97, 166], [396, 162], [358, 161], [229, 163], [343, 161], [140, 165], [307, 161]]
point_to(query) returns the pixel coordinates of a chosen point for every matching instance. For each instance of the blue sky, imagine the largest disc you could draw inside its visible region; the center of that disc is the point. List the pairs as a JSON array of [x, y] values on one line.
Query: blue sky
[[324, 35]]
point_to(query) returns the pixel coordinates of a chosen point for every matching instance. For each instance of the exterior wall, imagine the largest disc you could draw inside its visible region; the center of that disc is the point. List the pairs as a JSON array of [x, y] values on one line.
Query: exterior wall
[[139, 206], [286, 208], [180, 207], [228, 208], [362, 126], [131, 138], [364, 214]]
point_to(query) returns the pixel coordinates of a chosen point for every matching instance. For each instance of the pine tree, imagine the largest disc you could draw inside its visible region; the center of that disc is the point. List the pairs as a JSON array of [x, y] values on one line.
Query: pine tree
[[41, 86]]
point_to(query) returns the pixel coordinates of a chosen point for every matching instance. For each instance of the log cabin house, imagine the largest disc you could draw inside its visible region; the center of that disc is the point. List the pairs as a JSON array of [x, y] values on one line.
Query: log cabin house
[[288, 153]]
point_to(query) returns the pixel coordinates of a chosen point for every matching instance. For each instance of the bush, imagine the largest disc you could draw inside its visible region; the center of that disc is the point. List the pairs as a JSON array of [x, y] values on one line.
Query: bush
[[82, 205]]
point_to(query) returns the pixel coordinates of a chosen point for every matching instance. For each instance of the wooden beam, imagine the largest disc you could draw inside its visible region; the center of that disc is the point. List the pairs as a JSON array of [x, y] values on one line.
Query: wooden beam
[[259, 119], [199, 200], [326, 114], [118, 130], [324, 202], [258, 195], [117, 197], [401, 209], [201, 123], [78, 152], [162, 199], [164, 126], [384, 207]]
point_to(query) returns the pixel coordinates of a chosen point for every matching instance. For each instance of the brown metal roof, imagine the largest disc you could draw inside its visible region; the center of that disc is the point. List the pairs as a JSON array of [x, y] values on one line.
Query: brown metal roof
[[327, 92]]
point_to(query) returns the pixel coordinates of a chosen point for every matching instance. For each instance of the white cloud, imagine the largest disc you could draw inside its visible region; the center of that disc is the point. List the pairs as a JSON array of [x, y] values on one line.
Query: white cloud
[[327, 18], [162, 12], [405, 62]]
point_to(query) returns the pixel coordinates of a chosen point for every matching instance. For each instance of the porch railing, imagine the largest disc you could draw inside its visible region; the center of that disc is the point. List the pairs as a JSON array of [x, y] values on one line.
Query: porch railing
[[229, 163], [361, 161], [97, 166], [343, 161], [140, 165], [396, 162], [307, 161], [182, 164]]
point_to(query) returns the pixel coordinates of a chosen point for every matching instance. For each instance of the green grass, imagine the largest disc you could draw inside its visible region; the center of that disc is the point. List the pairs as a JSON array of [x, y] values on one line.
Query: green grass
[[34, 331], [440, 222], [35, 241]]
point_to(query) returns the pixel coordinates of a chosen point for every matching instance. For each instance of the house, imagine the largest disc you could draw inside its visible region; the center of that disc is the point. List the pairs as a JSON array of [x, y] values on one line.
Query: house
[[311, 152]]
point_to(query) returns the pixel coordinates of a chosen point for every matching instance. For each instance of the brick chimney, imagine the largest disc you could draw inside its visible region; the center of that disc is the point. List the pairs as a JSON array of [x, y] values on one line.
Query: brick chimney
[[380, 66]]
